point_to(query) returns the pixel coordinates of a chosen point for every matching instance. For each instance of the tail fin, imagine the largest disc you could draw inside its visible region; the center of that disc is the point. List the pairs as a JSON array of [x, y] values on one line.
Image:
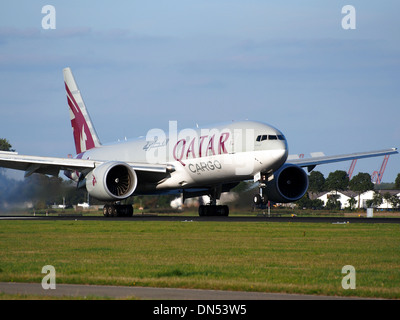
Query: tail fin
[[85, 135]]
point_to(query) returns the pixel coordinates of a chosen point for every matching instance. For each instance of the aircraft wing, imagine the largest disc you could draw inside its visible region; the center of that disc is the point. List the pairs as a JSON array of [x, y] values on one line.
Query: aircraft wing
[[52, 166], [310, 163]]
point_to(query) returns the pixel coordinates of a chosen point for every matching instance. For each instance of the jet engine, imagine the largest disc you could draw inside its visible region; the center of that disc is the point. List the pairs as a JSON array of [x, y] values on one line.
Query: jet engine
[[111, 181], [289, 184]]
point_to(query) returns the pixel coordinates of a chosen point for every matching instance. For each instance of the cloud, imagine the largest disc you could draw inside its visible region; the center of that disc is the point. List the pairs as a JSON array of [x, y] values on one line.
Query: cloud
[[71, 32], [16, 33], [331, 58], [33, 48]]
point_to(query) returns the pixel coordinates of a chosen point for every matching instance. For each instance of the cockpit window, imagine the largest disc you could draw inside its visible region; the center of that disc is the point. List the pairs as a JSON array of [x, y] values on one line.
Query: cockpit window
[[270, 137]]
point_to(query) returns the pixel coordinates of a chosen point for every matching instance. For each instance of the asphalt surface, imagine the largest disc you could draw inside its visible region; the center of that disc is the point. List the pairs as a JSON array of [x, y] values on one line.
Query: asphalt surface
[[121, 292], [338, 220]]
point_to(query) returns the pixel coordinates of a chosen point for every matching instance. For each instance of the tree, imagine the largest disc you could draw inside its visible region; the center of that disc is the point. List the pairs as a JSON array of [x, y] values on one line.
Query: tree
[[304, 202], [5, 145], [394, 201], [376, 200], [387, 197], [338, 181], [361, 183], [307, 203], [316, 182], [397, 182], [352, 201], [333, 202]]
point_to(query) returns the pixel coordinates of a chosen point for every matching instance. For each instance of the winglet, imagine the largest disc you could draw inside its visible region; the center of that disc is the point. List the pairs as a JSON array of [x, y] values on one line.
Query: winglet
[[85, 135]]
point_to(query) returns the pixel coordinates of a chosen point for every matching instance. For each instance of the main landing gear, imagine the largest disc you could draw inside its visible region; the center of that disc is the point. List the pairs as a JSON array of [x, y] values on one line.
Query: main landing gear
[[212, 209], [117, 210]]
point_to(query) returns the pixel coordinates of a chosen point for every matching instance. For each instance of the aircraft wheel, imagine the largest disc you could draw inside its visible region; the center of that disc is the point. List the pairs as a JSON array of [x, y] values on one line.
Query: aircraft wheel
[[117, 210], [129, 211], [202, 210], [111, 211], [225, 211], [125, 211], [105, 210], [213, 211], [257, 199]]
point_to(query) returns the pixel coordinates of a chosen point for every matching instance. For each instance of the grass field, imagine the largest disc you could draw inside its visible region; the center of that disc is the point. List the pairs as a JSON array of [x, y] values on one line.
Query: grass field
[[269, 257]]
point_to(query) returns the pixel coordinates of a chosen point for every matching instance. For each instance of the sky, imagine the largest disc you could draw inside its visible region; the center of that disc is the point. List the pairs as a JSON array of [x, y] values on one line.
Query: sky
[[141, 64]]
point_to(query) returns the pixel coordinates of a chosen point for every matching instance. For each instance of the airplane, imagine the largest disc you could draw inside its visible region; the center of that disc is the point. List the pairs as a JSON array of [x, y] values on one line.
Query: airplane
[[192, 162]]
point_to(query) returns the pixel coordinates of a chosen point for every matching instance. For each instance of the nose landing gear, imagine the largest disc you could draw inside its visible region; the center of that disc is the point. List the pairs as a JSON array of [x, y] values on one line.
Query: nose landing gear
[[260, 200]]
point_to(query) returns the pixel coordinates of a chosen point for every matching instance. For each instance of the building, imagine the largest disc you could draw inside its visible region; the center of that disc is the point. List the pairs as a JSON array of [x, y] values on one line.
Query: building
[[342, 196], [345, 196]]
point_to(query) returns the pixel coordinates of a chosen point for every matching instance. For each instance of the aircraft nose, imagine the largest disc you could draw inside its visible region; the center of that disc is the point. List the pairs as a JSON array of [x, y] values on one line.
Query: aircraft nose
[[281, 152], [285, 149], [283, 146]]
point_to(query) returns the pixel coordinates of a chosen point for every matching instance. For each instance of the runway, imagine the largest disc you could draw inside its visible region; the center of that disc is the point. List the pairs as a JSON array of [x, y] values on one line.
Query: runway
[[122, 292], [333, 220]]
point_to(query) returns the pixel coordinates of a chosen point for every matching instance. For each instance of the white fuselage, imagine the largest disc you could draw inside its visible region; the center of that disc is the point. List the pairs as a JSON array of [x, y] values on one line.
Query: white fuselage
[[209, 156]]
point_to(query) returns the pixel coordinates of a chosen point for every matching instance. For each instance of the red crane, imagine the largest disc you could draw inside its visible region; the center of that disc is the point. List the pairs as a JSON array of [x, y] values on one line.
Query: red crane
[[377, 176], [352, 166]]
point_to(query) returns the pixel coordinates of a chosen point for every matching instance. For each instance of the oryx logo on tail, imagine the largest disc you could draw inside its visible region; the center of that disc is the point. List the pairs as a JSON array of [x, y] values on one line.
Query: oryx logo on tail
[[85, 136]]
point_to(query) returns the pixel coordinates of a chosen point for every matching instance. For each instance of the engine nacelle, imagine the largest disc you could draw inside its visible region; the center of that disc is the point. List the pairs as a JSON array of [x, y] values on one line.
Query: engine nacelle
[[289, 184], [111, 181]]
